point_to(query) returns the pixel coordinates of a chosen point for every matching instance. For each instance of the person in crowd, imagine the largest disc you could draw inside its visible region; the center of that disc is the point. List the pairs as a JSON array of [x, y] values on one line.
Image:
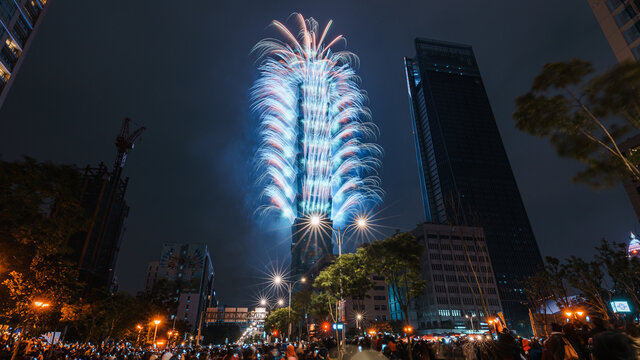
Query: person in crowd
[[610, 345]]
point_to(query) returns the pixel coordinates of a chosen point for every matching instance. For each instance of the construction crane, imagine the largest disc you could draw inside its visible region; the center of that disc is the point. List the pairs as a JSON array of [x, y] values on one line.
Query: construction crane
[[124, 143], [102, 212]]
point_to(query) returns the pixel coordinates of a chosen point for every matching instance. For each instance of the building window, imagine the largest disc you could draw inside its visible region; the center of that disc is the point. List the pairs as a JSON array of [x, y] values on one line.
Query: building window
[[613, 4], [21, 30], [632, 33], [7, 9], [625, 15], [378, 288], [636, 52], [455, 312], [443, 312], [376, 277], [379, 297]]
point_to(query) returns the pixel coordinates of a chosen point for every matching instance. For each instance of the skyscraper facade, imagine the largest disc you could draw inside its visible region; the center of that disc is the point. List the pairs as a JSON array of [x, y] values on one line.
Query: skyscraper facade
[[464, 171], [20, 20], [620, 22], [186, 272]]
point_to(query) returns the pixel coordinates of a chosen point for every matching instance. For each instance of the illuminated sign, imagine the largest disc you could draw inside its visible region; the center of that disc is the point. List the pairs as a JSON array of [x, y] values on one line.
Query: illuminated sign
[[620, 307]]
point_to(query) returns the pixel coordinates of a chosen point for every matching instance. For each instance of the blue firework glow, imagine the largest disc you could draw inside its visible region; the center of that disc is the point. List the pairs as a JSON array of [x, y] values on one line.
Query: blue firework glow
[[315, 156]]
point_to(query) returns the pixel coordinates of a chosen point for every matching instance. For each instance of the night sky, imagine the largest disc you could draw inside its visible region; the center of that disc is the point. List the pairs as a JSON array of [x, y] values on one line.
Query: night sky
[[183, 69]]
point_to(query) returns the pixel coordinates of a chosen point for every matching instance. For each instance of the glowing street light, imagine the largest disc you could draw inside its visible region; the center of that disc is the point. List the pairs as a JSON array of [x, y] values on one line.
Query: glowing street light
[[263, 302], [139, 327], [157, 322], [315, 220], [361, 222], [280, 302], [41, 304], [579, 313], [358, 318]]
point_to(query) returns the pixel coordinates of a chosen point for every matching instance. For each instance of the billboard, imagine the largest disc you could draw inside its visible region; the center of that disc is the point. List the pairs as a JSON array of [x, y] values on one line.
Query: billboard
[[620, 307]]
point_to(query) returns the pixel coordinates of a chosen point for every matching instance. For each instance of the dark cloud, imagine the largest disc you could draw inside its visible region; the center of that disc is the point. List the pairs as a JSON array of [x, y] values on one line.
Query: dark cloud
[[183, 69]]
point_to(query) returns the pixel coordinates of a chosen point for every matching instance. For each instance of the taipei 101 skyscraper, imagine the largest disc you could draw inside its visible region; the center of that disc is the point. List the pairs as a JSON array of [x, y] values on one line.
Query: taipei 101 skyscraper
[[316, 161]]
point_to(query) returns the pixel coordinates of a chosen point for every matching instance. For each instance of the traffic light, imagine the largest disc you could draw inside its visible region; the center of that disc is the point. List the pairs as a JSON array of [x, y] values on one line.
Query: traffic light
[[275, 333], [326, 326]]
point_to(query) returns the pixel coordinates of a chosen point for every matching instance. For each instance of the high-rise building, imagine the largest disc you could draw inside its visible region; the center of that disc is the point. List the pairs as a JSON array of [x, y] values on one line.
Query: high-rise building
[[461, 292], [464, 171], [620, 23], [315, 157], [20, 20], [186, 272]]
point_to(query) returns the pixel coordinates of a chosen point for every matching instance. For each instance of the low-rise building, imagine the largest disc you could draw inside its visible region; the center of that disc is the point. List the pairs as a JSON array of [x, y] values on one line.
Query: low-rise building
[[362, 311], [461, 287]]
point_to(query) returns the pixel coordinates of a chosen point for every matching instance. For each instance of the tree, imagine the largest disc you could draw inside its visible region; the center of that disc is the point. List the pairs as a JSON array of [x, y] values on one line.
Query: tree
[[624, 271], [588, 278], [397, 258], [278, 320], [301, 303], [555, 277], [538, 291], [39, 211], [347, 277], [585, 116]]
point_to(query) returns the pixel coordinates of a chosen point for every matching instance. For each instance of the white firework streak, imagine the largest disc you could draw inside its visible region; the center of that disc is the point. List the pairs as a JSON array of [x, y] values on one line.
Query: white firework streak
[[316, 154]]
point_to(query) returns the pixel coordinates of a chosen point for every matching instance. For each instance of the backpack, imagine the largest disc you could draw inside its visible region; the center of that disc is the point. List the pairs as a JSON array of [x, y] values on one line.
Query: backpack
[[569, 352]]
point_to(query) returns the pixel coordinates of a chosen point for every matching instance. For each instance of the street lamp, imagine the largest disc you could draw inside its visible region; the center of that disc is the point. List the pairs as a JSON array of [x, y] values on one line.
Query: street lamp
[[278, 280], [358, 318], [361, 223], [157, 322], [471, 321], [139, 327]]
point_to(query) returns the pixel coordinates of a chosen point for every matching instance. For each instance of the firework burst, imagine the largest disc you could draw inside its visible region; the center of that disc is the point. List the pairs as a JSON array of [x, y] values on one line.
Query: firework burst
[[315, 156]]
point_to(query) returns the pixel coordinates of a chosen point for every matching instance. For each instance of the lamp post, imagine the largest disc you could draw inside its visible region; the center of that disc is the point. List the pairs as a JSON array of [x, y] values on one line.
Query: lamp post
[[139, 327], [470, 317], [39, 306], [155, 332], [361, 222], [278, 280], [358, 318]]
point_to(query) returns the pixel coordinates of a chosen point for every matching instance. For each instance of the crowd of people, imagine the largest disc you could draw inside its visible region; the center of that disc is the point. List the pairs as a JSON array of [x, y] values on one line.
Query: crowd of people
[[596, 340]]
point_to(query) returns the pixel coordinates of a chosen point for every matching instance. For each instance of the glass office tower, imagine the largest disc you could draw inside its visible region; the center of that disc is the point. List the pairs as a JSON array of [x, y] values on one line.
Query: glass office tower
[[19, 21], [464, 171]]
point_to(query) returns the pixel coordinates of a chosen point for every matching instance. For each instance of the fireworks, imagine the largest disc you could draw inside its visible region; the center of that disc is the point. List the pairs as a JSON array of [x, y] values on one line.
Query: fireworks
[[315, 155]]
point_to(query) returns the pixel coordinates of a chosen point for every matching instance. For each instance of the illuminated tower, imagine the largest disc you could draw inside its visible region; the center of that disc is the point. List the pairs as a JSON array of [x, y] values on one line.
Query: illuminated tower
[[315, 160]]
